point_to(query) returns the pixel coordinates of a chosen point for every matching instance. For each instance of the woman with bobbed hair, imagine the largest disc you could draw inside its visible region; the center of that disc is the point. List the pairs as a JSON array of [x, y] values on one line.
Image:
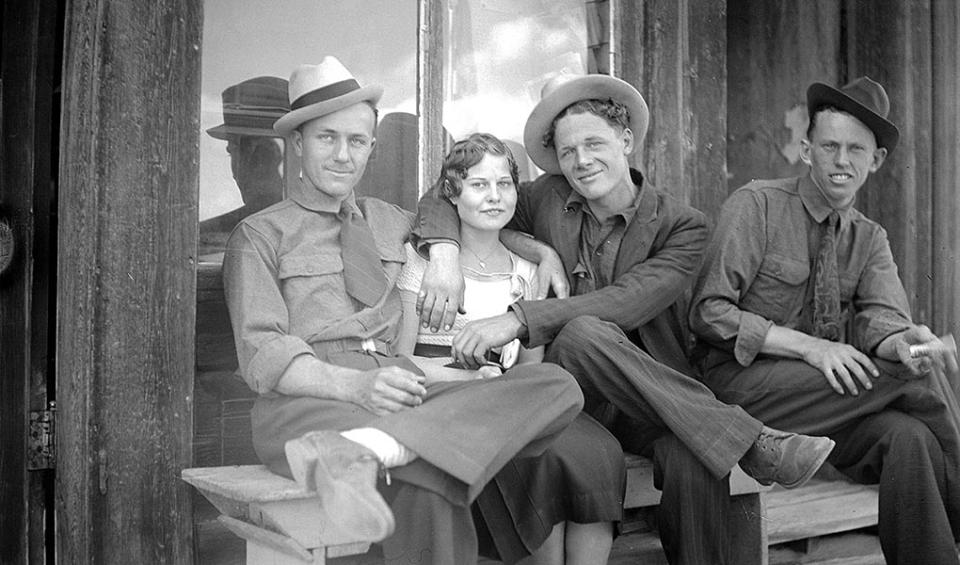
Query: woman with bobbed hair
[[558, 508]]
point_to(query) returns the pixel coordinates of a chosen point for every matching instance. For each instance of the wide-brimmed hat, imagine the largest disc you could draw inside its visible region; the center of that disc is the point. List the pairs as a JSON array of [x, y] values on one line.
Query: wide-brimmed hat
[[864, 99], [318, 90], [562, 91], [252, 107]]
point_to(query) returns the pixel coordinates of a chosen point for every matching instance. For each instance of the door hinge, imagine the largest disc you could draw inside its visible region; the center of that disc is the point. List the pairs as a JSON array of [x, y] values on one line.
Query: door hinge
[[41, 451]]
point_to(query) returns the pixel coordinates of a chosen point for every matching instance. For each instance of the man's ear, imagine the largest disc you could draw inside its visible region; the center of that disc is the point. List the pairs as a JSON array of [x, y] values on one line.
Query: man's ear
[[297, 142], [627, 140], [805, 149], [879, 155]]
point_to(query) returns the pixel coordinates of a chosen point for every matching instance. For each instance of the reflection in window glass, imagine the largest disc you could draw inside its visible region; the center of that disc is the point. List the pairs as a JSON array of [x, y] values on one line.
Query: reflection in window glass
[[499, 55], [249, 47]]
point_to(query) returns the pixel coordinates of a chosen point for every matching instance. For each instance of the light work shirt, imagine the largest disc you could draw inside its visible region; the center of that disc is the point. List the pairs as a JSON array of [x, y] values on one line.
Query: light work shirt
[[284, 284]]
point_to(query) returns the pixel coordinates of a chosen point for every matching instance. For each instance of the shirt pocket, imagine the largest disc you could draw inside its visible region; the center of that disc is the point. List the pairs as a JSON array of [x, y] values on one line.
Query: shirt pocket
[[778, 290], [311, 276]]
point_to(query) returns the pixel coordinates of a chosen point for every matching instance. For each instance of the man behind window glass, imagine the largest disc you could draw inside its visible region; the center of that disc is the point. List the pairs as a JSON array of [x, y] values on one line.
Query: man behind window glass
[[630, 250], [250, 109], [310, 285], [791, 263]]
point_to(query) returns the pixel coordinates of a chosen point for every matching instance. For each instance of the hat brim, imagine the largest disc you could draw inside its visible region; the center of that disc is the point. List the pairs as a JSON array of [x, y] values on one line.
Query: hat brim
[[223, 131], [820, 94], [291, 120], [587, 87]]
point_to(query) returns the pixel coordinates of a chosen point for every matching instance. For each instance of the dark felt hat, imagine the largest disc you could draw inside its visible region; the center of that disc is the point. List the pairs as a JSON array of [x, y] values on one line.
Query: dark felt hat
[[252, 107], [864, 99]]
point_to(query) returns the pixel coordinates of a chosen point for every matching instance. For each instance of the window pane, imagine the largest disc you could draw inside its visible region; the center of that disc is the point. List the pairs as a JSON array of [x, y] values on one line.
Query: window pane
[[250, 48], [499, 54]]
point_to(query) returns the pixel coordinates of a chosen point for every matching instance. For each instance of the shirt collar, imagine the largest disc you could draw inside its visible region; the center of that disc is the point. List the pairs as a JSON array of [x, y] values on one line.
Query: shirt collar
[[576, 200], [817, 205], [313, 199]]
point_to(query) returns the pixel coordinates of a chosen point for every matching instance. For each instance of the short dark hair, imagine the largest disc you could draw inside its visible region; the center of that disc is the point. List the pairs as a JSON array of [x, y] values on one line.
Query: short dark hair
[[614, 113], [465, 154]]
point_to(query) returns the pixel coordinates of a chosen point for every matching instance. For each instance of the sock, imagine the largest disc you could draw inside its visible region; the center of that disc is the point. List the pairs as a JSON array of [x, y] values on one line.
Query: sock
[[389, 451]]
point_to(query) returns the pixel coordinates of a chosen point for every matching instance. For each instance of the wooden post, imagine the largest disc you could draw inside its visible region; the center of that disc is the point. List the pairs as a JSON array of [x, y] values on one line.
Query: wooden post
[[675, 53], [889, 41], [126, 293], [430, 17], [945, 155]]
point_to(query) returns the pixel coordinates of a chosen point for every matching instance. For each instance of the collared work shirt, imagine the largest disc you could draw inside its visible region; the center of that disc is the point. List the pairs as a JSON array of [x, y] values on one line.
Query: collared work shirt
[[760, 264], [284, 284], [599, 244]]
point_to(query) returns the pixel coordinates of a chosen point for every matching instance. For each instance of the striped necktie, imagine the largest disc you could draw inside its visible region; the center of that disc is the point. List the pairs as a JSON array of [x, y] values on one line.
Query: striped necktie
[[826, 289], [362, 269]]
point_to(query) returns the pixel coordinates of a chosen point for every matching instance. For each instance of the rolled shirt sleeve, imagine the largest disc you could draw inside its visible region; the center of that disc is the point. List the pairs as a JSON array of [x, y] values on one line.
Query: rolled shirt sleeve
[[732, 262], [258, 313]]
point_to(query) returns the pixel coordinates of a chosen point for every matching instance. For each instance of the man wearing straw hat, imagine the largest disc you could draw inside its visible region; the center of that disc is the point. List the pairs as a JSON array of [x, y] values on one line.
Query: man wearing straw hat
[[630, 251], [805, 323], [310, 284]]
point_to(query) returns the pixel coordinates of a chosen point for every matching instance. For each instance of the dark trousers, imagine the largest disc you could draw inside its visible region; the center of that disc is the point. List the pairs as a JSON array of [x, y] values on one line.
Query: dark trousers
[[694, 439], [464, 432], [903, 434]]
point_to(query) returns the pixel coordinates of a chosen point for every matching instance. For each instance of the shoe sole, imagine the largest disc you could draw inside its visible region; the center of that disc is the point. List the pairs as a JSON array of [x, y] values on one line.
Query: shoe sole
[[812, 470], [352, 509]]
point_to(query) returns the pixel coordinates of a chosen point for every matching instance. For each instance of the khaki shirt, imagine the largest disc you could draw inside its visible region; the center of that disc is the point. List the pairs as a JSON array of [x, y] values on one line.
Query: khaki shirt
[[284, 285]]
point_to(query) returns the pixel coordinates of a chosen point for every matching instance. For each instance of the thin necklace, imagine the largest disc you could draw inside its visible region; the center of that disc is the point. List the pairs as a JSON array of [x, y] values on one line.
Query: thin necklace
[[483, 260]]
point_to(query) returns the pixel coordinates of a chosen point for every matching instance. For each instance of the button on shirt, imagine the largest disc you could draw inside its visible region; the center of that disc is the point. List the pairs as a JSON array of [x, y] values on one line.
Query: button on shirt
[[599, 244], [283, 279], [759, 266]]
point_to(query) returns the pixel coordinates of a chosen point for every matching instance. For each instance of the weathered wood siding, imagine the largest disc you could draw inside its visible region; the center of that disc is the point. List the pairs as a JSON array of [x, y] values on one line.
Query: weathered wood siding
[[675, 53], [126, 295], [777, 48]]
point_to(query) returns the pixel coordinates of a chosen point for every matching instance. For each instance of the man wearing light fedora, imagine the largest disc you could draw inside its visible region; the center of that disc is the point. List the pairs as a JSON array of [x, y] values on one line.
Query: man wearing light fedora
[[310, 285], [250, 109], [804, 322], [630, 251]]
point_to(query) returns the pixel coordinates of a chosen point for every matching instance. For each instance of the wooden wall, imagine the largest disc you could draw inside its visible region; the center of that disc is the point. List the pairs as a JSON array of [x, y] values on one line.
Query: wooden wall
[[126, 294], [675, 53], [776, 48]]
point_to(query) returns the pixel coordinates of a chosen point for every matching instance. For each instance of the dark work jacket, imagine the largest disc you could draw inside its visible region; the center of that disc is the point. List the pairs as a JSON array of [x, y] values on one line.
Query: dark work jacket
[[661, 252]]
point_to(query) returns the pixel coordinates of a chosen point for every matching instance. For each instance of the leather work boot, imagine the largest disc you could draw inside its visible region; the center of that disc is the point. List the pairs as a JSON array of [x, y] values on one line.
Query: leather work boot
[[785, 458], [344, 475]]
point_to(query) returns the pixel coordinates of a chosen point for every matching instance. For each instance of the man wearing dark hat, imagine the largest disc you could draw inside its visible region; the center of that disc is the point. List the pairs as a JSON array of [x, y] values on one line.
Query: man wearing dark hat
[[804, 322], [631, 251], [250, 109], [310, 285]]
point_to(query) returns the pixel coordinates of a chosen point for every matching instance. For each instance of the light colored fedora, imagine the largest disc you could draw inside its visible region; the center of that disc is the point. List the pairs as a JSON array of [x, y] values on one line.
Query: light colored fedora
[[864, 99], [252, 107], [318, 90], [565, 89]]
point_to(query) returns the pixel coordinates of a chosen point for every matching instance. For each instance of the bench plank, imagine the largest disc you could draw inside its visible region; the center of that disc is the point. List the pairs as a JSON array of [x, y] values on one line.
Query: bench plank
[[819, 508]]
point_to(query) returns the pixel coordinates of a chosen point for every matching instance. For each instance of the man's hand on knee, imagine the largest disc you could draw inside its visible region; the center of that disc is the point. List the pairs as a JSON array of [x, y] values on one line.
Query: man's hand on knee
[[389, 389], [843, 365]]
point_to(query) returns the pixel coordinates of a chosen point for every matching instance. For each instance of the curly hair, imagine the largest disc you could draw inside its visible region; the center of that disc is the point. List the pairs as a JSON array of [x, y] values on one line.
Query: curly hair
[[465, 154], [614, 113]]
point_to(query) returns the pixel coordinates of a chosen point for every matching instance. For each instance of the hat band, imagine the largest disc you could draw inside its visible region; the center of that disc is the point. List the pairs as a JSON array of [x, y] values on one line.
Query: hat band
[[328, 92]]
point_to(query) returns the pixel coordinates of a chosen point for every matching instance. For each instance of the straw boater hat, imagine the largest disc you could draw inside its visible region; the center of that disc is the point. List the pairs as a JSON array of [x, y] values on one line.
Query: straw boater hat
[[562, 91], [251, 107], [318, 90], [863, 99]]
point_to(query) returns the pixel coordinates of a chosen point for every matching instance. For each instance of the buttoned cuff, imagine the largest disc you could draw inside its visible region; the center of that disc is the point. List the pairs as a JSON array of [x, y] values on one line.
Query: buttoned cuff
[[518, 312], [871, 332], [271, 361], [750, 337]]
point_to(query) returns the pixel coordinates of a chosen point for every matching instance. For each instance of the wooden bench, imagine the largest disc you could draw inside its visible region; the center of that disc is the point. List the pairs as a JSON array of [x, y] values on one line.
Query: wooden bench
[[282, 524]]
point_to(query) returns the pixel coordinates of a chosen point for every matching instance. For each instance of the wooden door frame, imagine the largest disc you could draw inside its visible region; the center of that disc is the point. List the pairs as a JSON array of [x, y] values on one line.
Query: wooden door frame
[[29, 73]]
